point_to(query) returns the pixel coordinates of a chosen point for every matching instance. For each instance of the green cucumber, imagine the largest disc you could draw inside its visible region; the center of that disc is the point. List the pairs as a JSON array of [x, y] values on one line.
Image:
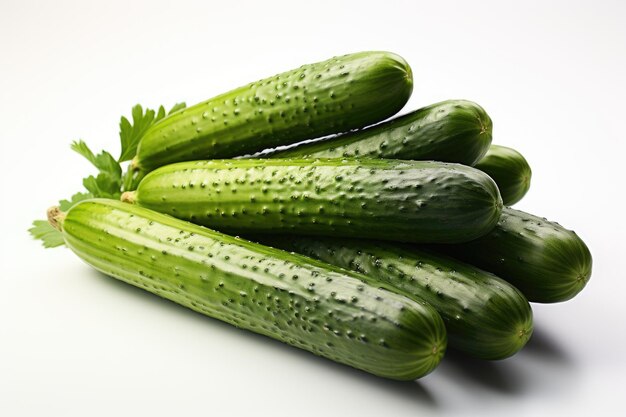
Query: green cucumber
[[415, 201], [317, 307], [485, 316], [509, 169], [449, 131], [337, 95], [545, 261]]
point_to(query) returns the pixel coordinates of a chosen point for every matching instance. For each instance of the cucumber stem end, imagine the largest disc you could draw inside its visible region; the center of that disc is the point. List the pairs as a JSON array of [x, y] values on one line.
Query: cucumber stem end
[[134, 164], [56, 217], [128, 197]]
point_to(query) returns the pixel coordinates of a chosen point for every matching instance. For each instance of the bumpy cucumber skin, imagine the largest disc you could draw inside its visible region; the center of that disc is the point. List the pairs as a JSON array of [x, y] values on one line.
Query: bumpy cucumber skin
[[485, 316], [415, 201], [545, 261], [449, 131], [305, 303], [510, 170], [336, 95]]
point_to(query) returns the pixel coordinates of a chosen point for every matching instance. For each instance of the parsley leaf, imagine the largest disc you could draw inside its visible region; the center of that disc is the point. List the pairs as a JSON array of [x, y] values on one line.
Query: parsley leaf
[[104, 161], [49, 236], [176, 107], [108, 183], [131, 134], [65, 205]]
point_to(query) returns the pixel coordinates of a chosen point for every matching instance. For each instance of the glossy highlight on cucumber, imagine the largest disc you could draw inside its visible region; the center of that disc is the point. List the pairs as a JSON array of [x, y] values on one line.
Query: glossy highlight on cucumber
[[412, 201], [450, 131], [485, 316], [336, 95], [314, 306]]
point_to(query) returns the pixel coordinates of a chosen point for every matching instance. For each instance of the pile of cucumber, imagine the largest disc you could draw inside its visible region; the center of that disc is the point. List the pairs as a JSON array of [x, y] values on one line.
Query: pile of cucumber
[[376, 247]]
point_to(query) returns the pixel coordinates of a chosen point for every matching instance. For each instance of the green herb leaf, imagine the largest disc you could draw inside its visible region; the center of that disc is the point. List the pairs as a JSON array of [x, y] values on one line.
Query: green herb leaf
[[103, 186], [81, 147], [65, 205], [129, 146], [160, 114], [130, 134], [108, 183], [104, 161], [176, 107], [49, 236]]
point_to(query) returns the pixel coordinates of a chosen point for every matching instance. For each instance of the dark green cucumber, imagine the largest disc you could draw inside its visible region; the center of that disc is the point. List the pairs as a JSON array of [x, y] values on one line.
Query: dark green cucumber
[[545, 261], [337, 95], [416, 201], [449, 131], [509, 169], [331, 312], [485, 316]]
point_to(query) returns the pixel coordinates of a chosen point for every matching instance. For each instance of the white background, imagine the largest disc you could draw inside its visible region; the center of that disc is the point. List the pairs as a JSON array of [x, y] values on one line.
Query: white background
[[75, 343]]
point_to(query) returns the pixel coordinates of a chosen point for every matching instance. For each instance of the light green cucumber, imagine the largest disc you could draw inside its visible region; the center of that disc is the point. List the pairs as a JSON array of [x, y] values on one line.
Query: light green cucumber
[[414, 201], [449, 131], [485, 316], [332, 96], [331, 312], [509, 169]]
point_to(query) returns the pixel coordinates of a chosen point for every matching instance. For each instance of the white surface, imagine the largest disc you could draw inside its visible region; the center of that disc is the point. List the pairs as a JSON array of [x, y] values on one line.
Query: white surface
[[75, 343]]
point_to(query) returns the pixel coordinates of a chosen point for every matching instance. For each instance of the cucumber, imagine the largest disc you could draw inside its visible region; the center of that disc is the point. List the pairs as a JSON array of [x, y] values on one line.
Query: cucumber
[[337, 95], [449, 131], [485, 316], [545, 261], [509, 169], [414, 201], [333, 313]]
